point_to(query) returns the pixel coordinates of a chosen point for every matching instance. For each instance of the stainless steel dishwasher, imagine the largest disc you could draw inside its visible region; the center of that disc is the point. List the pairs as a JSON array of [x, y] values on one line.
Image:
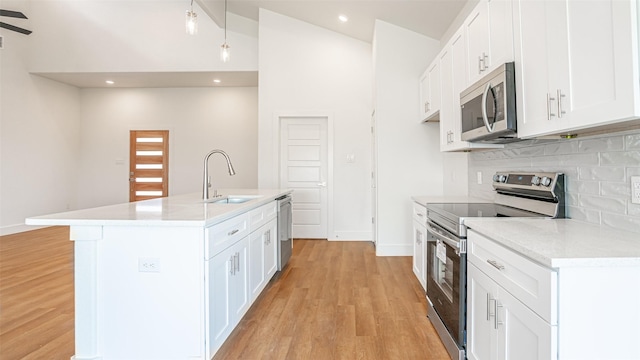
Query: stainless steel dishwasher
[[285, 230]]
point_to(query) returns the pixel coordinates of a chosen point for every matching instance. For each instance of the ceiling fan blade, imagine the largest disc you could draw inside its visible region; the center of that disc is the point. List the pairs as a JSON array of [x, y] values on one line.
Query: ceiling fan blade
[[13, 14], [15, 28]]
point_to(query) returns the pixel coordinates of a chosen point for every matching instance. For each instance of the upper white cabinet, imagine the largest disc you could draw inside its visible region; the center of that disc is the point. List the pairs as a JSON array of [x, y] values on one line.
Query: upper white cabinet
[[489, 37], [576, 65], [453, 62], [430, 92]]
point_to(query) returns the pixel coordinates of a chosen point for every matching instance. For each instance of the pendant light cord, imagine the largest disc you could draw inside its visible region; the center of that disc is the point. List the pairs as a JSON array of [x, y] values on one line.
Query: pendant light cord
[[225, 21]]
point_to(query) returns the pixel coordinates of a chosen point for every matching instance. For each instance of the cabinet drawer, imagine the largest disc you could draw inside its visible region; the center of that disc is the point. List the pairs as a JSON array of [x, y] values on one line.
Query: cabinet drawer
[[419, 213], [536, 286], [262, 215], [225, 234]]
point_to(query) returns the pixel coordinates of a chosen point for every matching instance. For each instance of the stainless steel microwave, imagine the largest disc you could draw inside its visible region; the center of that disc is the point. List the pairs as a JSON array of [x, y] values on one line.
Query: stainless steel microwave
[[489, 108]]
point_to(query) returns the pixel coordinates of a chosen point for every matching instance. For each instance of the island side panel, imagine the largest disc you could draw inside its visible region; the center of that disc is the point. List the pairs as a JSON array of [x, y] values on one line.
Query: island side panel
[[85, 282], [149, 293]]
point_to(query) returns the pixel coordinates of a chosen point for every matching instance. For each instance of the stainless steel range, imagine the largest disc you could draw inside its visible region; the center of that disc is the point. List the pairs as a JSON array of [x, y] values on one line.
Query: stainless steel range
[[519, 194]]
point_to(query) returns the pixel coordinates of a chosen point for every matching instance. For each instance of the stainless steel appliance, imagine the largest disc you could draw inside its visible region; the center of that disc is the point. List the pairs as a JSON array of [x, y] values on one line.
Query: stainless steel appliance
[[285, 231], [519, 194], [488, 108]]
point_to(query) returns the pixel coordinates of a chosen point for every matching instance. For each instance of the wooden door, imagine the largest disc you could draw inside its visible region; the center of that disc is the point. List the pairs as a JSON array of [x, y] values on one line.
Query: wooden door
[[148, 164]]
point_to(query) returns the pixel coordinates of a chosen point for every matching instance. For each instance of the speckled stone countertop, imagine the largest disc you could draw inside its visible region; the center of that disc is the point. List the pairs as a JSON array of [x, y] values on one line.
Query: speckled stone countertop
[[558, 243]]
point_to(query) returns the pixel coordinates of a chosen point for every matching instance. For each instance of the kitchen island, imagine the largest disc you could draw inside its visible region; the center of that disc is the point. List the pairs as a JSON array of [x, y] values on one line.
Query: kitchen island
[[168, 278]]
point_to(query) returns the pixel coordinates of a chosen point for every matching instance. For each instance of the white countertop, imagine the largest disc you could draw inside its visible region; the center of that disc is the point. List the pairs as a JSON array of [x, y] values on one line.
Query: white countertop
[[179, 210], [561, 243], [425, 199]]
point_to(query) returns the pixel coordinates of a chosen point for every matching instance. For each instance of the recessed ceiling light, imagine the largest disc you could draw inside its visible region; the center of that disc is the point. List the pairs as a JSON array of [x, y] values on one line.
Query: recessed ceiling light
[[217, 81], [343, 18], [110, 82]]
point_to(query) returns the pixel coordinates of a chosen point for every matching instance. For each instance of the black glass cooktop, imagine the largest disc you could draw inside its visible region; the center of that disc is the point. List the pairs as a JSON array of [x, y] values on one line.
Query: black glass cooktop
[[464, 210]]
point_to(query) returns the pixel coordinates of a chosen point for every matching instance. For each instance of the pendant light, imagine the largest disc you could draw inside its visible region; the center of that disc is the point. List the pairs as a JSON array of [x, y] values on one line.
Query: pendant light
[[191, 23], [225, 48]]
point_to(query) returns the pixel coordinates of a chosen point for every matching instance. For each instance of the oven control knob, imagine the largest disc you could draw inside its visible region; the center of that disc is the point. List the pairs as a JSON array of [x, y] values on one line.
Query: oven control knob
[[545, 181], [535, 180], [503, 178], [496, 177]]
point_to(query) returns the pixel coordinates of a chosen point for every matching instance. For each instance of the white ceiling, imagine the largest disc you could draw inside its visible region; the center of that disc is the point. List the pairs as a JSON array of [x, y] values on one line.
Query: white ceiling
[[428, 17]]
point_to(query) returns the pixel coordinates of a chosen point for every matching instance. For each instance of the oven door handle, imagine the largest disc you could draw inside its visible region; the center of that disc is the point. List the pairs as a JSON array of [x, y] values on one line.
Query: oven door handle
[[431, 229]]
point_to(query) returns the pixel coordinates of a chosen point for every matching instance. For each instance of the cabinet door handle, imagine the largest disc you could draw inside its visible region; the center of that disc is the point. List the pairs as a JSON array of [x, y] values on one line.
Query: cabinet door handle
[[479, 64], [489, 306], [232, 266], [232, 232], [549, 113], [485, 59], [237, 262], [495, 264], [497, 322], [560, 96]]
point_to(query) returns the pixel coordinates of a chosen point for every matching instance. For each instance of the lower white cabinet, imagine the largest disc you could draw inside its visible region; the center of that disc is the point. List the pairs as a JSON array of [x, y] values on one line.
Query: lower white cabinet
[[235, 276], [519, 309], [227, 293], [420, 243], [499, 326], [263, 251]]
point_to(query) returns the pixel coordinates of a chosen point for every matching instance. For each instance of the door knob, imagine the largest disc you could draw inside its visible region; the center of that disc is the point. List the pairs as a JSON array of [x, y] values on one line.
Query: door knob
[[322, 184]]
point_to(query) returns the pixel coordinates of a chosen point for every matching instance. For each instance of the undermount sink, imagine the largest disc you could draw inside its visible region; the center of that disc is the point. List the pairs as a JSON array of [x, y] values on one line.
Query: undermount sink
[[233, 199]]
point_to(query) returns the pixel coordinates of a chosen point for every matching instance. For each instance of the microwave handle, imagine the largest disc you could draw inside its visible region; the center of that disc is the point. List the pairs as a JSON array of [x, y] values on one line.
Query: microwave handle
[[484, 108]]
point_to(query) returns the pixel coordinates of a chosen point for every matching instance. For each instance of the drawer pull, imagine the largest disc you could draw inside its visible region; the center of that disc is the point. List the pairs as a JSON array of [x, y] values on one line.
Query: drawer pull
[[495, 264], [232, 232]]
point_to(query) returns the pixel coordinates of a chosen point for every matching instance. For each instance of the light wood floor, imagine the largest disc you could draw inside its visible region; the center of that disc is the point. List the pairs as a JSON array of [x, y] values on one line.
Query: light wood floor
[[335, 300], [36, 295]]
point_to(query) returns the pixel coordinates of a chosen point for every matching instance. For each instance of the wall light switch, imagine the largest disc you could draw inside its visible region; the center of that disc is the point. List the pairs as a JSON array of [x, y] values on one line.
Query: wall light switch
[[635, 189], [479, 177]]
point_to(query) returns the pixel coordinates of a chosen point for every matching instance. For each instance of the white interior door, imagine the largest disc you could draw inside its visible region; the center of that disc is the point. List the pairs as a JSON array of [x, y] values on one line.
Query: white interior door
[[304, 168], [374, 194]]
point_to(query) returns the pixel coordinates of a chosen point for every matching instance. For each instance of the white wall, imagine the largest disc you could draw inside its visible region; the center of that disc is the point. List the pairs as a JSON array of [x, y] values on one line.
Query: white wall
[[305, 69], [133, 36], [198, 120], [408, 152], [39, 137]]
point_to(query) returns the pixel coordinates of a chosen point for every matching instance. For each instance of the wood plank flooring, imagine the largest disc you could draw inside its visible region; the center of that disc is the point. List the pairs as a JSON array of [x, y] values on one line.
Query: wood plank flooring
[[335, 300], [36, 295]]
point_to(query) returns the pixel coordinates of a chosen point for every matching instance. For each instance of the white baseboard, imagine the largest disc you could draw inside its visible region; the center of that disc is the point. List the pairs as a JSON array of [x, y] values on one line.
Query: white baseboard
[[351, 236], [18, 228], [394, 250]]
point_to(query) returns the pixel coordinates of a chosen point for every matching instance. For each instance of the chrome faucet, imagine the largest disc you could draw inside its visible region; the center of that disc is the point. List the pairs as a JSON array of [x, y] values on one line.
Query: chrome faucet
[[206, 182]]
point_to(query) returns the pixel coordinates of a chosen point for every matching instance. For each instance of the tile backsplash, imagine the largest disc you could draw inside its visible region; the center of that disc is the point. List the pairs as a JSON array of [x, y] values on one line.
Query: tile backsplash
[[597, 170]]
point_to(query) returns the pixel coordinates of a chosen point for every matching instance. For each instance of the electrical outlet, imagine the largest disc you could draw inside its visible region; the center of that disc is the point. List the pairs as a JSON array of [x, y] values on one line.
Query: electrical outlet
[[635, 189], [148, 265], [479, 177]]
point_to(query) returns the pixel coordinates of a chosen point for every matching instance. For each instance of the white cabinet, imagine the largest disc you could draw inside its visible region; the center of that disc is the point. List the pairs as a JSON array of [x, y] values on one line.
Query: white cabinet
[[499, 326], [263, 243], [576, 65], [453, 77], [419, 222], [489, 37], [511, 304], [227, 293], [519, 309], [241, 258], [430, 92]]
